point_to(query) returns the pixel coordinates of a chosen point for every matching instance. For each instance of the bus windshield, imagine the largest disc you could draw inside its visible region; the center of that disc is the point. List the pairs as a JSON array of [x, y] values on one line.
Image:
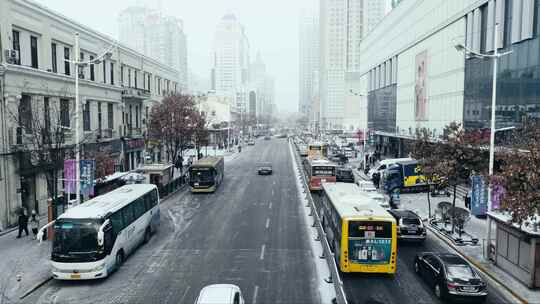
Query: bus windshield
[[323, 171], [202, 175], [75, 240], [370, 242]]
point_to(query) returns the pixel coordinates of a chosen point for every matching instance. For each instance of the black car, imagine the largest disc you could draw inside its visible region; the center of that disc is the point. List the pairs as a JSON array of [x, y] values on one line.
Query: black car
[[410, 226], [450, 276], [264, 169], [344, 175]]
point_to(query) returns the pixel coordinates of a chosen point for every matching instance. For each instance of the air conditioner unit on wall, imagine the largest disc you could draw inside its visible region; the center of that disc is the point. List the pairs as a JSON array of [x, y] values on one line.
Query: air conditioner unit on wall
[[12, 56]]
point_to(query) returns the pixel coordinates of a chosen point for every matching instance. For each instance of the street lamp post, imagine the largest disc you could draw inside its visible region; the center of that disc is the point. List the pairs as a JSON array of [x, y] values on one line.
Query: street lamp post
[[78, 63], [495, 57]]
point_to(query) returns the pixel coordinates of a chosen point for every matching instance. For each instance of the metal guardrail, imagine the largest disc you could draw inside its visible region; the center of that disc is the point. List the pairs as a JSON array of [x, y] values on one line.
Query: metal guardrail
[[321, 235]]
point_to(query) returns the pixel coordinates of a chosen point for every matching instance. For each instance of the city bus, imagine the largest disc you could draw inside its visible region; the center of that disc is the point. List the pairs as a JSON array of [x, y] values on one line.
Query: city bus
[[92, 239], [206, 174], [320, 171], [317, 150], [361, 234]]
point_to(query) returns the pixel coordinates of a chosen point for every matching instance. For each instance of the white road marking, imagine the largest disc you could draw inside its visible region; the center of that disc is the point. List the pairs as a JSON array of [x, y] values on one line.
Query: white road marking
[[267, 223], [270, 205], [272, 192], [184, 295], [255, 292], [262, 252]]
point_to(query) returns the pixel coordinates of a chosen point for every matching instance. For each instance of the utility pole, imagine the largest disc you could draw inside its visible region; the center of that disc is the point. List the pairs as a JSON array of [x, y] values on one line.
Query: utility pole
[[77, 106]]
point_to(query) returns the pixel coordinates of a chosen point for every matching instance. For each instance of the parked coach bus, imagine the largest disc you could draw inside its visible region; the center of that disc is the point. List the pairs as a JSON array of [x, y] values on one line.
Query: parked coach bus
[[93, 239], [361, 234], [320, 171], [206, 174]]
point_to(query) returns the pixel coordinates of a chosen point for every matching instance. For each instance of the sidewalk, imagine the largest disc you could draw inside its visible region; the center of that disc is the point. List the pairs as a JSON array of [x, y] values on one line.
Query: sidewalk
[[25, 264], [476, 227]]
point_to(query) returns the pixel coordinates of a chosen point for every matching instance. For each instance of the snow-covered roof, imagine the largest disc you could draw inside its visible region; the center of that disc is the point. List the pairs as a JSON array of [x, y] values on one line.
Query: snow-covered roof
[[506, 217], [155, 167], [113, 176], [322, 162], [110, 202], [351, 202]]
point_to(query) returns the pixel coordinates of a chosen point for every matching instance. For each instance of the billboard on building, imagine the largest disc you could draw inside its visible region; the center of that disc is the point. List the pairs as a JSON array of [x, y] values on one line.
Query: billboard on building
[[420, 108]]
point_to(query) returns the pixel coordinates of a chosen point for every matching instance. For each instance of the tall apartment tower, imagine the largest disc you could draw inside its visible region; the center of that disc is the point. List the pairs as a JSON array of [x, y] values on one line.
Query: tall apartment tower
[[157, 36], [340, 33], [309, 38], [375, 10], [230, 69]]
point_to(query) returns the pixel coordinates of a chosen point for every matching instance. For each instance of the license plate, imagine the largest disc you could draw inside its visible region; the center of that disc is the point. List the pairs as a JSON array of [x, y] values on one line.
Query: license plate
[[196, 184], [323, 180], [468, 288], [75, 276]]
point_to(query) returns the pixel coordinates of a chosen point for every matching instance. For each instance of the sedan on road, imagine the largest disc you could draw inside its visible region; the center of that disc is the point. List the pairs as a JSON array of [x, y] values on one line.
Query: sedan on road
[[450, 276], [410, 226], [220, 294], [264, 169]]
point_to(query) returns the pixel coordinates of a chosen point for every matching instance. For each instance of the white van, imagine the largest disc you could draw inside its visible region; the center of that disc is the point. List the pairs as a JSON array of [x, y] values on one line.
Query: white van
[[220, 294], [385, 163]]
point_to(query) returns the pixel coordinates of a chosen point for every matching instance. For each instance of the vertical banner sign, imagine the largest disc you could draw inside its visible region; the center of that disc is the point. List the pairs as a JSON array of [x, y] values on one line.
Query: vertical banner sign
[[479, 199], [69, 176], [88, 168], [497, 194], [420, 108]]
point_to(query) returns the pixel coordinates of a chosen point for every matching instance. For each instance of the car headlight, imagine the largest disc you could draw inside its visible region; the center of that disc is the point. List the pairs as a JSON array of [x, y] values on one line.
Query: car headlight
[[99, 267]]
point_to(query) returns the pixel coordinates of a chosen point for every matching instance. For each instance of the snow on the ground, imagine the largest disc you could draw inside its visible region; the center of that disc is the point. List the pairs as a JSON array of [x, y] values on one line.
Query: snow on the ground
[[326, 290]]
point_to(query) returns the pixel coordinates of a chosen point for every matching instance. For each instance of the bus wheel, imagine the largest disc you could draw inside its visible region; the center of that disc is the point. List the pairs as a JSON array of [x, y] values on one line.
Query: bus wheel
[[147, 235], [119, 259]]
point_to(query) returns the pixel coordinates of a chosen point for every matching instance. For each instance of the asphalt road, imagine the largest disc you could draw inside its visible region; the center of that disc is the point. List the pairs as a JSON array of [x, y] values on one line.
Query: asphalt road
[[406, 287], [250, 233]]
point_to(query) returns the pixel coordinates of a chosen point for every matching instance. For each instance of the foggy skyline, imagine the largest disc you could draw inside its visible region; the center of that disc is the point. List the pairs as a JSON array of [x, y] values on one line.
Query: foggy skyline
[[271, 27]]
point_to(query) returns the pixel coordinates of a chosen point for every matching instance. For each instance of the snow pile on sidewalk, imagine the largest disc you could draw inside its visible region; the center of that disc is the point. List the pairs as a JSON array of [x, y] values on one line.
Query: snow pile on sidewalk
[[326, 290]]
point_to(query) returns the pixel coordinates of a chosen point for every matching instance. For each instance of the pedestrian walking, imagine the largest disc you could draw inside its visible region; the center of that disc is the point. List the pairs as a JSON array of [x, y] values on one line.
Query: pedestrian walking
[[23, 222], [34, 223]]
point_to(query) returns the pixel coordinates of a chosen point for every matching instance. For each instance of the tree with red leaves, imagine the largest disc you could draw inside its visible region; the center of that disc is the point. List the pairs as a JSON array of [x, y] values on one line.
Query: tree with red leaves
[[519, 175], [173, 122]]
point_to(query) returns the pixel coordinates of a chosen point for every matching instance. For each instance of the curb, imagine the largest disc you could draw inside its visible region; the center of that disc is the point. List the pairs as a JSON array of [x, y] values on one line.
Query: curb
[[35, 287], [478, 266], [7, 231]]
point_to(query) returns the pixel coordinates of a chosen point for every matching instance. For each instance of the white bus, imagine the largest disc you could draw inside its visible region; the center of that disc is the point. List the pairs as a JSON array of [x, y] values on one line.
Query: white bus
[[93, 239]]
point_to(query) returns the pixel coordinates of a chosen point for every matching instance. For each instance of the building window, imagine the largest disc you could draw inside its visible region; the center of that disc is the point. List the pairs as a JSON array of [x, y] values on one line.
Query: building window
[[122, 75], [129, 78], [149, 83], [53, 58], [34, 51], [81, 68], [86, 116], [17, 45], [104, 71], [130, 119], [112, 73], [137, 117], [25, 113], [110, 116], [64, 112], [66, 62], [47, 114], [92, 75], [99, 118], [135, 76]]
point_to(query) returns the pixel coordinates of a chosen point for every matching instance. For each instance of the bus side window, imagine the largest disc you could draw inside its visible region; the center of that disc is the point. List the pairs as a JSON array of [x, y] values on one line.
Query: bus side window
[[117, 223], [109, 238], [139, 207], [129, 215], [236, 299]]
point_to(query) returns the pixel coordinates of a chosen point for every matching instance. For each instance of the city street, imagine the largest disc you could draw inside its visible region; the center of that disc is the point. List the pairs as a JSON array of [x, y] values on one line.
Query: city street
[[248, 233]]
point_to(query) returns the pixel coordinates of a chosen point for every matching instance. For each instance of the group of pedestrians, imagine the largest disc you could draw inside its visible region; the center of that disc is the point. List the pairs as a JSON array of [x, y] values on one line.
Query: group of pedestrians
[[23, 220]]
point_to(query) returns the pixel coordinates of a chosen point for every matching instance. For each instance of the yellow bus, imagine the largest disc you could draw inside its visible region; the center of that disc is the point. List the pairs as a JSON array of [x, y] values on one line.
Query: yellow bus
[[317, 150], [361, 233], [206, 174]]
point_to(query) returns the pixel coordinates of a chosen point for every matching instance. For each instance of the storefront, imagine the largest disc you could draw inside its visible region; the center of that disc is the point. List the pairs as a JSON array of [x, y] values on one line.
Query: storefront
[[133, 153]]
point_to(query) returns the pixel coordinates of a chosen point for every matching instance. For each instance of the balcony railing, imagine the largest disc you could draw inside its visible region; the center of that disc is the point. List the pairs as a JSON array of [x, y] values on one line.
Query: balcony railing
[[135, 93]]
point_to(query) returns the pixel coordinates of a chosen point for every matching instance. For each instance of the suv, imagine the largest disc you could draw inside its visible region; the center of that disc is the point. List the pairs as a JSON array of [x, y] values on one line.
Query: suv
[[220, 293], [344, 175], [410, 226]]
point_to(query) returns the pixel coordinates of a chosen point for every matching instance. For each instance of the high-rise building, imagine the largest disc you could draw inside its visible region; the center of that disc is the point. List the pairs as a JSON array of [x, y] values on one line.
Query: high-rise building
[[156, 36], [230, 68], [309, 58], [374, 12], [340, 33]]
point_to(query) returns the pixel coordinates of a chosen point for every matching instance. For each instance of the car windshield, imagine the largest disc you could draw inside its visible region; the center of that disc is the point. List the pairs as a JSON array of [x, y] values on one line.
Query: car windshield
[[460, 272]]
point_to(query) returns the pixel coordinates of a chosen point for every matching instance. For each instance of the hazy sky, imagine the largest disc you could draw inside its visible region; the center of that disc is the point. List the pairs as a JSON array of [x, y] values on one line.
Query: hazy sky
[[271, 26]]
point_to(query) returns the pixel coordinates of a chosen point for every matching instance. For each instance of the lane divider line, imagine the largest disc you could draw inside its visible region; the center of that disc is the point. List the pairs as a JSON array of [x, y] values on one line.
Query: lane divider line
[[267, 223], [261, 257], [270, 205], [255, 293]]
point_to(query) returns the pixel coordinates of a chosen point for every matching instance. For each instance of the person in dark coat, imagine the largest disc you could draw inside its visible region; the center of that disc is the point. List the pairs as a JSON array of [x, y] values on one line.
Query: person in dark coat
[[23, 222]]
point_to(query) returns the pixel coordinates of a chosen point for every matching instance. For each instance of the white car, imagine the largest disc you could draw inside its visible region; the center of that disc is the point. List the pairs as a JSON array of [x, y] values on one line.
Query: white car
[[220, 294]]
